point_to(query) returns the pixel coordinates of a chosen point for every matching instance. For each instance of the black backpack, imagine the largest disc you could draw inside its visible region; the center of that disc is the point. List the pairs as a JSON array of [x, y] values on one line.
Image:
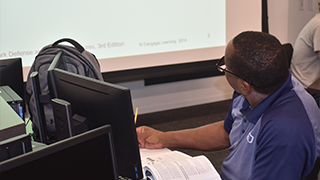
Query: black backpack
[[77, 59]]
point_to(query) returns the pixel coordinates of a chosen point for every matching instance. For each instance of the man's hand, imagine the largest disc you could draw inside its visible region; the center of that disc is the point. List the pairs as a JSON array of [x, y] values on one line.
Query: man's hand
[[149, 138]]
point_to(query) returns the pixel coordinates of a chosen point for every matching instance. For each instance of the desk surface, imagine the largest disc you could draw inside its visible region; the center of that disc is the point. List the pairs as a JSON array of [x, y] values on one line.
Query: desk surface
[[314, 88]]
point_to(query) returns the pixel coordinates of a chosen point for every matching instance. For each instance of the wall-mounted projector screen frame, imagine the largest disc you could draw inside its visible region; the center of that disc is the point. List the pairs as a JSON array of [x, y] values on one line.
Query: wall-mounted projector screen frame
[[228, 18]]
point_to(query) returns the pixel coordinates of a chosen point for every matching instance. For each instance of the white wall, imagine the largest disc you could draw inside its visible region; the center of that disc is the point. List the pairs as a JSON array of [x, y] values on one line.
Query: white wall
[[288, 17], [278, 18]]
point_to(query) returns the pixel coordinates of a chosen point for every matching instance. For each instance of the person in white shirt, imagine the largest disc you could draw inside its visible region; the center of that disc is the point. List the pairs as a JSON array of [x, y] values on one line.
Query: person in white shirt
[[305, 64]]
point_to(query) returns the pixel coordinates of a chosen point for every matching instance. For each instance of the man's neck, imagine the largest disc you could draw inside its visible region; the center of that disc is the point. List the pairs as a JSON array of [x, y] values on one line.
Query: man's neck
[[256, 98]]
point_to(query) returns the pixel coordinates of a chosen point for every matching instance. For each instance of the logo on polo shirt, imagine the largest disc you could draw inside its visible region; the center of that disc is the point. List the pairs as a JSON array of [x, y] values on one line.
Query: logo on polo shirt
[[250, 138]]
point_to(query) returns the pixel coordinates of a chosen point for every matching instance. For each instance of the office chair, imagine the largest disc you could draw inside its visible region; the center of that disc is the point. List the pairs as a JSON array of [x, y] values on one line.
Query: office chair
[[288, 50], [313, 175]]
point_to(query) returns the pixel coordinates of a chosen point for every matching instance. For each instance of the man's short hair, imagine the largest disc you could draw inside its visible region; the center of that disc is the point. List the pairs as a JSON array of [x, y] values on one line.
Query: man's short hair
[[259, 58]]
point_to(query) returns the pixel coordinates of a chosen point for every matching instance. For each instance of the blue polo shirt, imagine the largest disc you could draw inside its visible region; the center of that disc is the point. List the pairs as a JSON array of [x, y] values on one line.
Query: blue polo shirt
[[279, 139]]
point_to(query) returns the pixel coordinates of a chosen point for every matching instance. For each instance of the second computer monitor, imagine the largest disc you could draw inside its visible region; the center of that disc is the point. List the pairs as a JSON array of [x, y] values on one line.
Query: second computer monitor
[[102, 103], [87, 156]]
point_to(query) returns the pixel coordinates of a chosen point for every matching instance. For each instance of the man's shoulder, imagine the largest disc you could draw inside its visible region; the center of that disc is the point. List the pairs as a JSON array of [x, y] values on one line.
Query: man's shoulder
[[290, 114], [311, 27]]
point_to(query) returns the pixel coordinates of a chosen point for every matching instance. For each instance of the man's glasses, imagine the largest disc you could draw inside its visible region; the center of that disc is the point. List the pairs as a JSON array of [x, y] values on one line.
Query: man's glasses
[[221, 66]]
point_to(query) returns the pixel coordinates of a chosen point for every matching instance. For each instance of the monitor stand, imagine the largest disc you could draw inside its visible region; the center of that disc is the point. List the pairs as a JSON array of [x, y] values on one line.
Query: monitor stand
[[66, 124]]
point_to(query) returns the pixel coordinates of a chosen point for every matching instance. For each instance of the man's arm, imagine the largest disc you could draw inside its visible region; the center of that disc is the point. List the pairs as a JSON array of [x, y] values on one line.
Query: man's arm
[[208, 137]]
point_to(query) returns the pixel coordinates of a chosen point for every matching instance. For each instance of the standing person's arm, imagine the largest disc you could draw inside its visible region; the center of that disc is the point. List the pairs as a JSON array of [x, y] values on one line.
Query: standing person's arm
[[208, 137]]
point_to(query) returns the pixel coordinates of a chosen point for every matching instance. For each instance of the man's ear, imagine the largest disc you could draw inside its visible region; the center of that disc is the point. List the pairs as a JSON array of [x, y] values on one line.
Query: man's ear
[[245, 88]]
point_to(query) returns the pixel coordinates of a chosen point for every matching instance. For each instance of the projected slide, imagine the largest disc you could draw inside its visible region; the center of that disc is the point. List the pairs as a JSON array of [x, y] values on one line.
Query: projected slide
[[111, 29]]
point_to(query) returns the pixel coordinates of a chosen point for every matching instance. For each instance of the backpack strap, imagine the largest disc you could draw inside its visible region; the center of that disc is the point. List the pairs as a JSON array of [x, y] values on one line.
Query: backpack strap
[[71, 41]]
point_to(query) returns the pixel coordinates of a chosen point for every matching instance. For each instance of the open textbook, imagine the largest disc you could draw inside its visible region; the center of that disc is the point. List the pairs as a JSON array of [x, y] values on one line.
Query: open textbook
[[165, 164]]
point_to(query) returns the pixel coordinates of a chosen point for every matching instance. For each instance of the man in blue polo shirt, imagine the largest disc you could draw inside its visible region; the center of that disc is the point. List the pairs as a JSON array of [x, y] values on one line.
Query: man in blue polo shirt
[[273, 125]]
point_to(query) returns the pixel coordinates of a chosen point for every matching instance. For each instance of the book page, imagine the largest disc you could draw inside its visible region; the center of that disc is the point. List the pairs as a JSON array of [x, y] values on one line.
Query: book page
[[176, 165], [151, 156], [163, 157], [150, 152]]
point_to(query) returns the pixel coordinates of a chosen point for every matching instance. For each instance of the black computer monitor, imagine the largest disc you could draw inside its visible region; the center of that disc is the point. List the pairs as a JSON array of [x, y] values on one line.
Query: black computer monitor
[[101, 103], [11, 75], [86, 156]]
